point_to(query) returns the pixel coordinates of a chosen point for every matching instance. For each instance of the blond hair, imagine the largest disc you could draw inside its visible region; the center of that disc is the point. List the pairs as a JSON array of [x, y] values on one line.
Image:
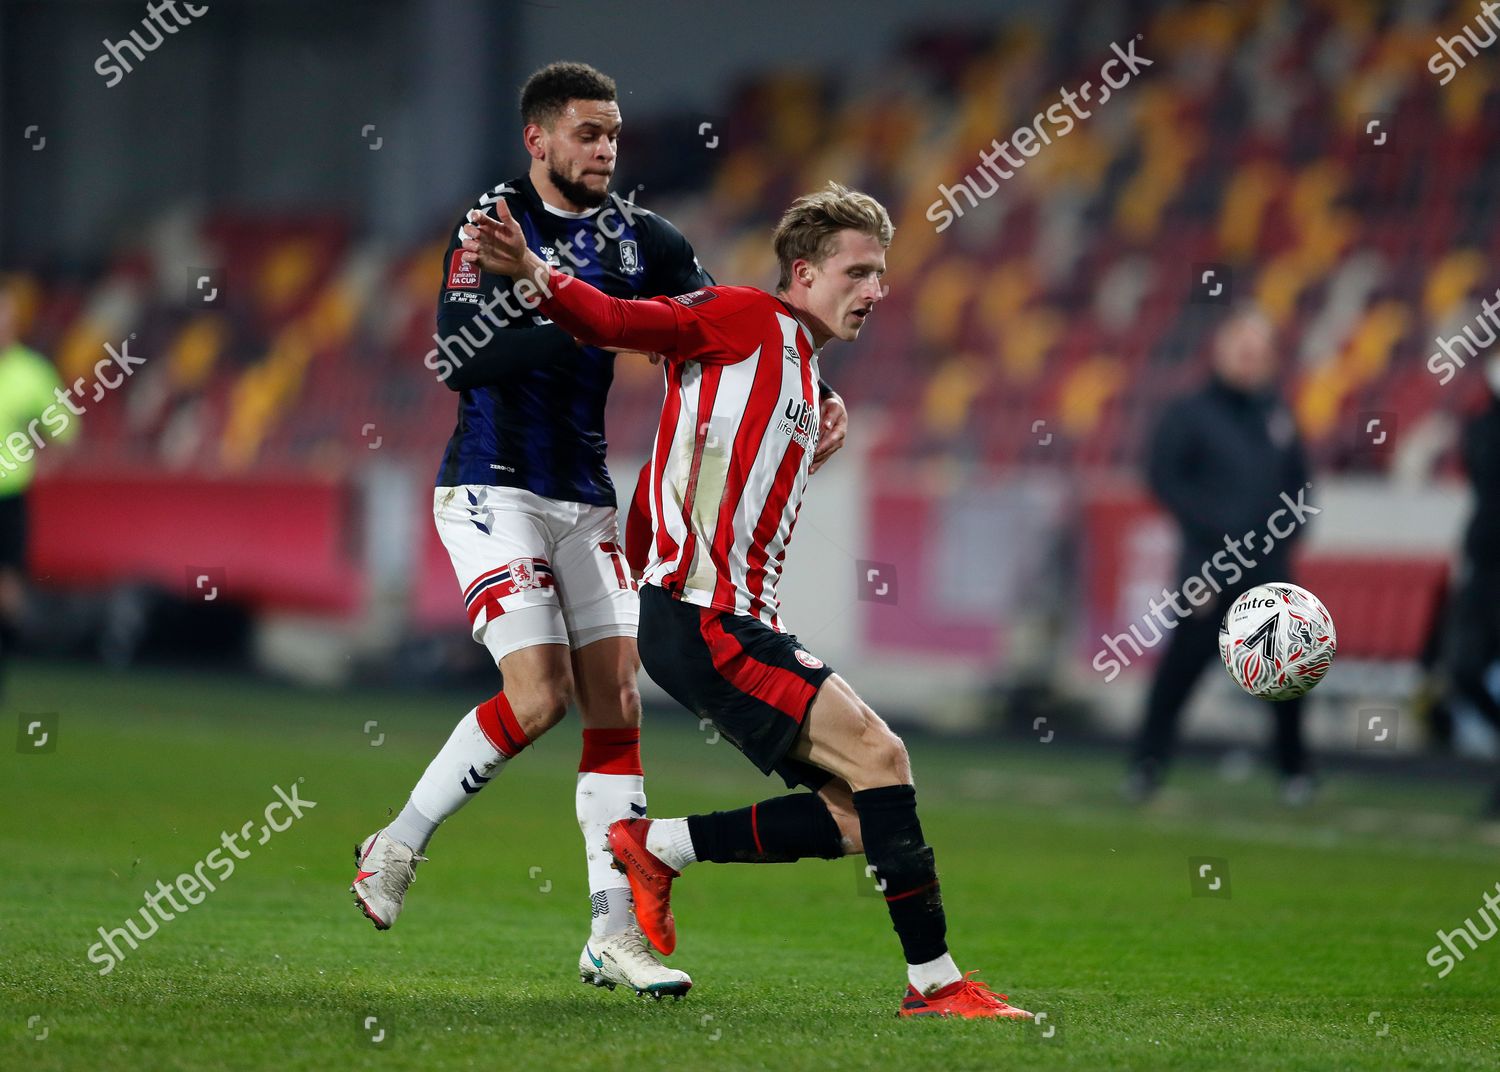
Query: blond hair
[[809, 229]]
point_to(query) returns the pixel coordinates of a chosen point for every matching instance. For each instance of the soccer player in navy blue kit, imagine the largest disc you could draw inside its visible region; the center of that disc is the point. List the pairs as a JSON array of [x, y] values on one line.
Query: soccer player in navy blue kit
[[526, 508]]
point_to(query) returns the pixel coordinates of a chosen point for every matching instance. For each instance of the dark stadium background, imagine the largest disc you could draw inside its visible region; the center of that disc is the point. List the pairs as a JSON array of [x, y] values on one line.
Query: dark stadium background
[[311, 158]]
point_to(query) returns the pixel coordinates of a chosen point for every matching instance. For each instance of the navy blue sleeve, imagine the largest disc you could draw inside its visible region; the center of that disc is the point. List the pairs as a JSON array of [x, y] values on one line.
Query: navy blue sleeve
[[674, 266], [485, 336]]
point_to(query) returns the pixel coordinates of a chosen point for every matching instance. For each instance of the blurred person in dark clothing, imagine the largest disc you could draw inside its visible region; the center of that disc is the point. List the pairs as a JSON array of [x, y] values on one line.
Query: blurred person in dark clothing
[[1221, 460], [1473, 638]]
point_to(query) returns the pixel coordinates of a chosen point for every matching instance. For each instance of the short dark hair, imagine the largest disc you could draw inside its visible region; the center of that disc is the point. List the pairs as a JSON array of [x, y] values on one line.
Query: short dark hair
[[547, 92]]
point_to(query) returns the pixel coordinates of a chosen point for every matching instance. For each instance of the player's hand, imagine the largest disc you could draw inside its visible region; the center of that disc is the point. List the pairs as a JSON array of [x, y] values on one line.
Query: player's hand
[[833, 422], [497, 245]]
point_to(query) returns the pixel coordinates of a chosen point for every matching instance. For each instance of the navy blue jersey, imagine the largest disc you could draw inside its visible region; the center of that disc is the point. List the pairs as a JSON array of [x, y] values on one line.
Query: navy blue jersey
[[531, 401]]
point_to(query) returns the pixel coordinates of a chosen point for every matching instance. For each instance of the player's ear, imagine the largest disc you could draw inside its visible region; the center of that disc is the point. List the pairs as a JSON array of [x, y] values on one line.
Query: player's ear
[[534, 138]]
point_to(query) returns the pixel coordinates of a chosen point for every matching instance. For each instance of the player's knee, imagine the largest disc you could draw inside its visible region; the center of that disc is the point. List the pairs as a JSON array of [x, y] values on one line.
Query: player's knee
[[619, 707], [896, 763], [630, 703], [885, 759], [540, 705]]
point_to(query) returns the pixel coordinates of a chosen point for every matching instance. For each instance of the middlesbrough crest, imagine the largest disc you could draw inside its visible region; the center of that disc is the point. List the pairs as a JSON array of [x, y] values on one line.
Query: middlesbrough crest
[[522, 574]]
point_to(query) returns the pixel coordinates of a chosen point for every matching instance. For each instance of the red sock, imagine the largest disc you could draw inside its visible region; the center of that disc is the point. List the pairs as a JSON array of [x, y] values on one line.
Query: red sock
[[499, 724], [611, 751]]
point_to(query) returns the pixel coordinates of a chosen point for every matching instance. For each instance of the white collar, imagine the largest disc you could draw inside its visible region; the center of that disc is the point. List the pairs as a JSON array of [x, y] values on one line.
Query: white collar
[[565, 214]]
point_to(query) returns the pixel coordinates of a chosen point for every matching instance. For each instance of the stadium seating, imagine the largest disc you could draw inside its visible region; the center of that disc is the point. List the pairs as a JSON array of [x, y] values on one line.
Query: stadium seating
[[1066, 299]]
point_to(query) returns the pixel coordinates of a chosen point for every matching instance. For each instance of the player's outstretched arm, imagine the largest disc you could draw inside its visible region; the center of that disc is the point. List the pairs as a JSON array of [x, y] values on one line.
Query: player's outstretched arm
[[593, 317]]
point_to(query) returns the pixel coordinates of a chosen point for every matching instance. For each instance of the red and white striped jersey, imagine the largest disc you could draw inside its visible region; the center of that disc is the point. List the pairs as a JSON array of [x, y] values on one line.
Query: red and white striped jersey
[[736, 437]]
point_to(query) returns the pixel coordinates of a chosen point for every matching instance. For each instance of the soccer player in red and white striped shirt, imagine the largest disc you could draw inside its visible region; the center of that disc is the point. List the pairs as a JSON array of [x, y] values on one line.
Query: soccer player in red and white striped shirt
[[733, 452]]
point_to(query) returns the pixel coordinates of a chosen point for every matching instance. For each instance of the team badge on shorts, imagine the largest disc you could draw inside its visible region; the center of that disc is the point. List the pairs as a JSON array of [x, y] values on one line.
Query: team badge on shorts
[[522, 575], [809, 660]]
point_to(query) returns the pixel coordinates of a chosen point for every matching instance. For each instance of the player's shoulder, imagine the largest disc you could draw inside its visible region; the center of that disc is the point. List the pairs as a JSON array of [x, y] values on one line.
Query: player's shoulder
[[642, 219], [718, 302], [653, 230], [509, 191], [626, 206]]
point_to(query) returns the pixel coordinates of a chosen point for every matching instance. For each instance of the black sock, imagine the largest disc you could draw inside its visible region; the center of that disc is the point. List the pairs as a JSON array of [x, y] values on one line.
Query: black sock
[[772, 832], [905, 867]]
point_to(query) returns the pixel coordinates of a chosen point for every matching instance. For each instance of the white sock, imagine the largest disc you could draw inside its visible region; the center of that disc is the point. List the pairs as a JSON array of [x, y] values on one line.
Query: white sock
[[934, 975], [600, 799], [669, 841], [412, 828], [461, 768]]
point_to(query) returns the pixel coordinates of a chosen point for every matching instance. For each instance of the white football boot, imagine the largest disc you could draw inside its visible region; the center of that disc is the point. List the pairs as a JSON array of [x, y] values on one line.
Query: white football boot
[[385, 868], [622, 959]]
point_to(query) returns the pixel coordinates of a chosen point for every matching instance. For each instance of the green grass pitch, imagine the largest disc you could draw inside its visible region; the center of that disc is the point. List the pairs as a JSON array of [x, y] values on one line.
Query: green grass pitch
[[1062, 898]]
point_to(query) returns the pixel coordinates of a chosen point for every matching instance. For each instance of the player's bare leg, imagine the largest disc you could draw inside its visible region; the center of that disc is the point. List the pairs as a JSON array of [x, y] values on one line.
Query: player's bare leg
[[870, 806], [538, 690], [611, 787]]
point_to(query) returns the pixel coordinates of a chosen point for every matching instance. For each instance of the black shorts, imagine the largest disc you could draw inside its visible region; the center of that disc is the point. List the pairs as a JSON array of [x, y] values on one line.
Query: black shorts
[[13, 531], [754, 684]]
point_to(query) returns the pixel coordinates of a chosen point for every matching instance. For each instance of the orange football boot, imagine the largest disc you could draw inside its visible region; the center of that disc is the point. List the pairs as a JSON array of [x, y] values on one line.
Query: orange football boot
[[650, 881], [968, 998]]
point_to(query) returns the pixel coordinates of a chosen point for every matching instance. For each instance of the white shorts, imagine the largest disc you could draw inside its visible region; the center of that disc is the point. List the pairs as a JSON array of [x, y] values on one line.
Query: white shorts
[[536, 570]]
